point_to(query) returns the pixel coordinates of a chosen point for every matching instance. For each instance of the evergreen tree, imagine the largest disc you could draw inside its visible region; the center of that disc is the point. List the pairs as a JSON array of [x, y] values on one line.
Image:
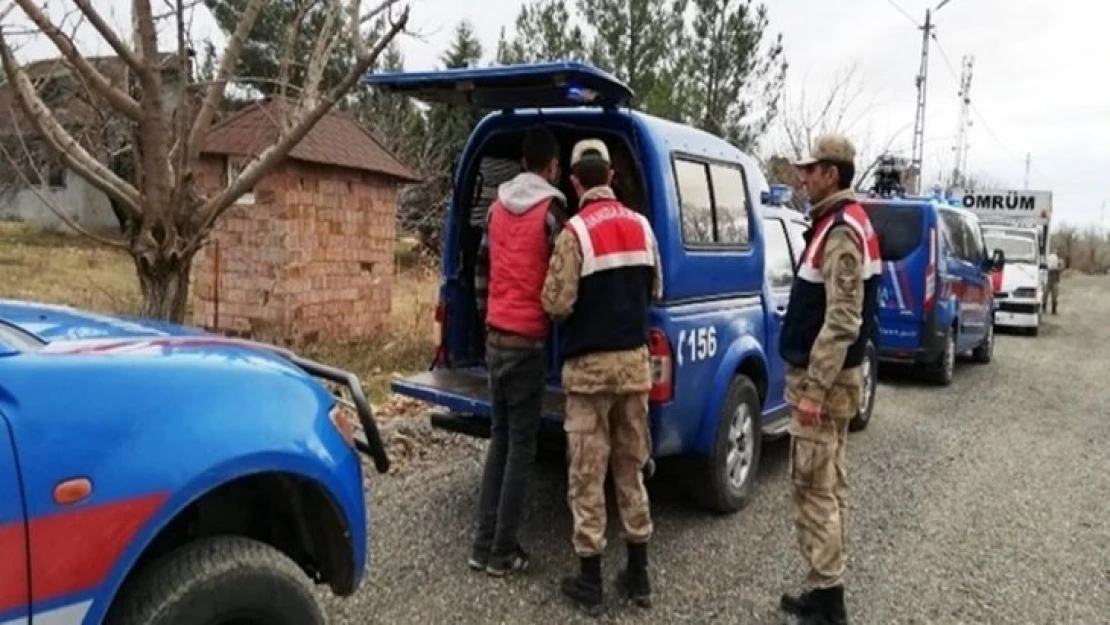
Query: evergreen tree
[[733, 85], [544, 32], [260, 62], [640, 41]]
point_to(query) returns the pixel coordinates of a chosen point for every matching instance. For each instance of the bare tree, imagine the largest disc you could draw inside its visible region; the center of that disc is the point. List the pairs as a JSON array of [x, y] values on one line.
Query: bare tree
[[843, 108], [167, 216]]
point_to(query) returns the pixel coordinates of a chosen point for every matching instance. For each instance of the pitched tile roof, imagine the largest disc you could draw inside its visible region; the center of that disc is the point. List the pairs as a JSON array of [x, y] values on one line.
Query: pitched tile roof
[[335, 140]]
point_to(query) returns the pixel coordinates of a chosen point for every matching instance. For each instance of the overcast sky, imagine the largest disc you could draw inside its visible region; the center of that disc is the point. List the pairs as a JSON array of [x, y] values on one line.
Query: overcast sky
[[1038, 83]]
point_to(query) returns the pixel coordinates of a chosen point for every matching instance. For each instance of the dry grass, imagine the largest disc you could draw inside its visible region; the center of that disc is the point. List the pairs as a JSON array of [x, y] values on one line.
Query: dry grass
[[63, 269]]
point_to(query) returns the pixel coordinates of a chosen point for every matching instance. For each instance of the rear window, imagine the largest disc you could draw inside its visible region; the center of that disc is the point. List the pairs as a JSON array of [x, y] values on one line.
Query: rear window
[[899, 229]]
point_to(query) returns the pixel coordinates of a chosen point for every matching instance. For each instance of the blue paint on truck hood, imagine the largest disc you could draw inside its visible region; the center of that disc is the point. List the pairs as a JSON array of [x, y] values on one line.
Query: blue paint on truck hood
[[51, 323]]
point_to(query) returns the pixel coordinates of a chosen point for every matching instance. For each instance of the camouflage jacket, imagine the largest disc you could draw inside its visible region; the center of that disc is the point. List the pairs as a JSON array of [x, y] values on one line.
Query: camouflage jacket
[[626, 371], [842, 269]]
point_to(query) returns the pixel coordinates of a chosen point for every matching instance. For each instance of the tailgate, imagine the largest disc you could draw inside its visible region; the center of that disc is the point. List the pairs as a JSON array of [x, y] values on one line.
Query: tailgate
[[465, 391]]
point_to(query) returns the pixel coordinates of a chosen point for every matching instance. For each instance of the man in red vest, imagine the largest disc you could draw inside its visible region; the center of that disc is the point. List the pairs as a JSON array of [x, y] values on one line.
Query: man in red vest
[[521, 228], [604, 274], [831, 316]]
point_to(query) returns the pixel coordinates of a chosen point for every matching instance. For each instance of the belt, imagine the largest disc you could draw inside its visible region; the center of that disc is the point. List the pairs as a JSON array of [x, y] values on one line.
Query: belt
[[505, 340]]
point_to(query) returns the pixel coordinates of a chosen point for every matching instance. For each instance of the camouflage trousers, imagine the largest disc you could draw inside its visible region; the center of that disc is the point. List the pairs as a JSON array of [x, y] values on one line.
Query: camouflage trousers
[[607, 430], [819, 471], [1051, 289]]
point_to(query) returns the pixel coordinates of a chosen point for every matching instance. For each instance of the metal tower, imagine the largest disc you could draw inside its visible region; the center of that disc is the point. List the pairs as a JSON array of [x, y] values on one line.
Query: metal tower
[[918, 152], [959, 169]]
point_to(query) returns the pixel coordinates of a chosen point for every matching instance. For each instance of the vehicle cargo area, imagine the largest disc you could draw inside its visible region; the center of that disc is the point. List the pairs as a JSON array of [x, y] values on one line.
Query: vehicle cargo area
[[458, 380]]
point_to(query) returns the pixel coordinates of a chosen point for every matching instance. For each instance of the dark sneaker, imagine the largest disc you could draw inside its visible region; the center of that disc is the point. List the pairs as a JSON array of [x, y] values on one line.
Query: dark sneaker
[[802, 604], [500, 566]]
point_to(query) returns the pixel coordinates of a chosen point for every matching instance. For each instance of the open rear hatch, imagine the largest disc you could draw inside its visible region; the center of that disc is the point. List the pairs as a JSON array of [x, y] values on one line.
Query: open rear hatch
[[464, 389], [538, 85]]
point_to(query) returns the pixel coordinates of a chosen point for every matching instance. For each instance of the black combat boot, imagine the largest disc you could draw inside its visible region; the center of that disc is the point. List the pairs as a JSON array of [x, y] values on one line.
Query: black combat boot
[[585, 589], [830, 608], [633, 580], [820, 606]]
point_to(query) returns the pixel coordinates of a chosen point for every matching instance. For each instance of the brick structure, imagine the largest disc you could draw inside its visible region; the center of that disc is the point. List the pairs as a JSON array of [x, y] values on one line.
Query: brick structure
[[308, 255]]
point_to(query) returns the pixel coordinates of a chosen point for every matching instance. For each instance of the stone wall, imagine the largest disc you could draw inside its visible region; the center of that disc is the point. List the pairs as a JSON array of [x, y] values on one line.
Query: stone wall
[[311, 259]]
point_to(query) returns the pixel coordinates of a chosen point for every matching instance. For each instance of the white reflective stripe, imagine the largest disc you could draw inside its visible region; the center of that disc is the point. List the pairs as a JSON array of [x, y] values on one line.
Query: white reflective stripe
[[808, 273], [617, 260], [592, 264], [579, 227], [71, 614], [897, 287]]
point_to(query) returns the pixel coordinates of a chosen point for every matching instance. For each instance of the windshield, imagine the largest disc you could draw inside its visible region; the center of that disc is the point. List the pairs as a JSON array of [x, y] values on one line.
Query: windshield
[[1019, 249]]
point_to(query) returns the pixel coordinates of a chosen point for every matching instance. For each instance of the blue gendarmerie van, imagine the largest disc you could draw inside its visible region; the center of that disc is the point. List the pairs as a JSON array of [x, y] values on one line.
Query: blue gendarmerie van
[[935, 299], [718, 379]]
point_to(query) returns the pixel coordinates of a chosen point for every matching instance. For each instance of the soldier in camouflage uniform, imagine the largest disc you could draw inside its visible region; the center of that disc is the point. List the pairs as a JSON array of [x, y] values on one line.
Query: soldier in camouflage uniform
[[603, 275], [1052, 285], [830, 318]]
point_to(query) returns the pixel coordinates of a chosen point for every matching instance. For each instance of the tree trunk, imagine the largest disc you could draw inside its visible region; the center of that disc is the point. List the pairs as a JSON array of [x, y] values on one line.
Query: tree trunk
[[164, 285]]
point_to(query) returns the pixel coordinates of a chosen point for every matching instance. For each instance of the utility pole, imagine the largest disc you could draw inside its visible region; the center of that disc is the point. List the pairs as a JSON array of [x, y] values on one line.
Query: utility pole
[[959, 170], [1028, 162], [918, 153]]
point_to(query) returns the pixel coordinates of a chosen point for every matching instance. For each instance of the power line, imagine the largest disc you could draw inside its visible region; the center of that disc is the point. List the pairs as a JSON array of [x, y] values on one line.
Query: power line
[[903, 12]]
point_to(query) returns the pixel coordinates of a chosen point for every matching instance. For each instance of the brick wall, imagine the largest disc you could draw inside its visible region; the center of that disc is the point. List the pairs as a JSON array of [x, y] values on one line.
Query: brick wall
[[311, 259]]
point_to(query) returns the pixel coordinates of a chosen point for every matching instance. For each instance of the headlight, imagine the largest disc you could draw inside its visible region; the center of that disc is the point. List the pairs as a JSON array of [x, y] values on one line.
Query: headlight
[[341, 417]]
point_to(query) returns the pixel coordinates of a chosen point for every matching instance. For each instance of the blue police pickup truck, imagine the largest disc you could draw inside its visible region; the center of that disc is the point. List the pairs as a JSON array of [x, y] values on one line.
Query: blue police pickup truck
[[718, 380]]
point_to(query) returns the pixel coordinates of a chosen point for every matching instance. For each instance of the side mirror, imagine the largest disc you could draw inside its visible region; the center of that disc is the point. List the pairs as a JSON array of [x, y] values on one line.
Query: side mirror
[[998, 259]]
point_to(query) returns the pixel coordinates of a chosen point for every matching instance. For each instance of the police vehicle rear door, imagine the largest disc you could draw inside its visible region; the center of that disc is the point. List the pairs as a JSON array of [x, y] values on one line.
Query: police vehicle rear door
[[779, 266], [465, 390], [908, 246]]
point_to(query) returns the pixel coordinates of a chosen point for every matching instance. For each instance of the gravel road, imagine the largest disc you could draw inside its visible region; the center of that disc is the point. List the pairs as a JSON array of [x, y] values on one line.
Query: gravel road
[[983, 503]]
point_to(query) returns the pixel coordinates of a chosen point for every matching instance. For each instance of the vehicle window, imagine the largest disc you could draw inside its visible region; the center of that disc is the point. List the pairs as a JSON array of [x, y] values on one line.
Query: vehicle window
[[899, 229], [778, 263], [959, 235], [1017, 248], [975, 248], [731, 202], [695, 201], [797, 232]]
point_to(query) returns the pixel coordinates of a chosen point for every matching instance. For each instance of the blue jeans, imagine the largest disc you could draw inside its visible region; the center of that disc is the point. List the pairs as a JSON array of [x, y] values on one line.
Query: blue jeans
[[516, 378]]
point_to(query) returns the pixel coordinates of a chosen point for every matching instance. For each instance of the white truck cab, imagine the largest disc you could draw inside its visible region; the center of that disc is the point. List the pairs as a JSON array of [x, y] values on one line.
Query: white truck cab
[[1016, 222]]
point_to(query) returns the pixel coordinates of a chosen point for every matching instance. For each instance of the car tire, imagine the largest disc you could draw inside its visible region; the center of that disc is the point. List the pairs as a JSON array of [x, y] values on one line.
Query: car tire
[[943, 370], [985, 351], [870, 384], [225, 577], [720, 486]]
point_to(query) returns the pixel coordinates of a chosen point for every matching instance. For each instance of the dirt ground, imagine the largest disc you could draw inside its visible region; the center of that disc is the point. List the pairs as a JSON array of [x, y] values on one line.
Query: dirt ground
[[981, 503]]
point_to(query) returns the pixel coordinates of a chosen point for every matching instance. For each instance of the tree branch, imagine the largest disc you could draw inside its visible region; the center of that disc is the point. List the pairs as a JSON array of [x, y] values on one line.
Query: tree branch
[[47, 201], [109, 35], [289, 46], [304, 119], [72, 153], [203, 120], [115, 97]]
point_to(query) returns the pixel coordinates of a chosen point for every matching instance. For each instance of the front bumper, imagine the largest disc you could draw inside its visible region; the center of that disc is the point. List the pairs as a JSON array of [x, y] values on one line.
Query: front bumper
[[1023, 313]]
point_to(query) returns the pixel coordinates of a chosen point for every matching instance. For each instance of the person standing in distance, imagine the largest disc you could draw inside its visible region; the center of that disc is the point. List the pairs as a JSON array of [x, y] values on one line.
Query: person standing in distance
[[1052, 285], [528, 214], [603, 276], [829, 320]]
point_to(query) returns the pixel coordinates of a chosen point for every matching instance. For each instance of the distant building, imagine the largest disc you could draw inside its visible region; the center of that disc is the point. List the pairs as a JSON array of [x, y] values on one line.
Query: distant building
[[87, 121], [308, 254]]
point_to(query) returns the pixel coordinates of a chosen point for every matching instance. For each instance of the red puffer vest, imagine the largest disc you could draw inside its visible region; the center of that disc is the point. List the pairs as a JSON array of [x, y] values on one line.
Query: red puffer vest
[[518, 265]]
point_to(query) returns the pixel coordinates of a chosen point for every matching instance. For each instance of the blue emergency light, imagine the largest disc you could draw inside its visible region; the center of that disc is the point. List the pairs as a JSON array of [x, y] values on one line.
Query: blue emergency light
[[579, 94], [777, 195]]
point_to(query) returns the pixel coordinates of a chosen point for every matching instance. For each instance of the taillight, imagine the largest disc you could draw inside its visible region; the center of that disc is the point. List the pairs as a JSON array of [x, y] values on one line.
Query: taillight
[[931, 272], [441, 321], [662, 368]]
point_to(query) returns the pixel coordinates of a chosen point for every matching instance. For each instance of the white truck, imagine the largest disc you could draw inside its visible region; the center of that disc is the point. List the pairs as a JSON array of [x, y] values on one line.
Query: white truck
[[1016, 222]]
